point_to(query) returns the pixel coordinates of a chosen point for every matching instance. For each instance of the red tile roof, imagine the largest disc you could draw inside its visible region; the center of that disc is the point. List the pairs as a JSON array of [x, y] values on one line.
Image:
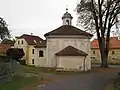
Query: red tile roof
[[114, 43], [71, 51], [41, 45], [68, 30], [4, 48], [31, 39], [94, 44]]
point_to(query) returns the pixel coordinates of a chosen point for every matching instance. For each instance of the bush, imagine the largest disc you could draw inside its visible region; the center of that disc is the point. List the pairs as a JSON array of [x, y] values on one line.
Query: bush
[[15, 53]]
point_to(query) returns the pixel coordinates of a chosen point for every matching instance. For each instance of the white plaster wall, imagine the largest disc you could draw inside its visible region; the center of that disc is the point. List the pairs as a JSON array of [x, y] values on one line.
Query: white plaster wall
[[38, 61], [71, 62], [55, 45]]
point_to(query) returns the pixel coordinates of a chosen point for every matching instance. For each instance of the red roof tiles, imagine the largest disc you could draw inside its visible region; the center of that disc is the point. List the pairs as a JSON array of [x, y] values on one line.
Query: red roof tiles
[[4, 48], [31, 39], [41, 45], [114, 43]]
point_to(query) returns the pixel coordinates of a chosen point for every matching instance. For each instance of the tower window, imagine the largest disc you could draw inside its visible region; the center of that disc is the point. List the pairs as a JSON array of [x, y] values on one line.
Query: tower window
[[67, 21], [33, 61], [41, 53], [32, 51]]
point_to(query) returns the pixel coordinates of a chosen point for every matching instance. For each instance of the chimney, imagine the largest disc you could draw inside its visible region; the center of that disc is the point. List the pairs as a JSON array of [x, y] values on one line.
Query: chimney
[[31, 33]]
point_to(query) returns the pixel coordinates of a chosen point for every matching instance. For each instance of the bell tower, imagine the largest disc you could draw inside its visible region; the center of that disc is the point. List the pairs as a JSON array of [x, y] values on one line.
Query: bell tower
[[67, 18]]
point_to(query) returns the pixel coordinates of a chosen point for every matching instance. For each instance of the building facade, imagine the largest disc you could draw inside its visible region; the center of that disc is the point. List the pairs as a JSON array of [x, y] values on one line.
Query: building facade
[[28, 44], [114, 51], [66, 48]]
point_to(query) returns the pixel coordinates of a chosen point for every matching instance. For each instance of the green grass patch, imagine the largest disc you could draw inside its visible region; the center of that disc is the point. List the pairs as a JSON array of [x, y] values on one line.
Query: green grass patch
[[18, 82], [21, 79], [27, 69]]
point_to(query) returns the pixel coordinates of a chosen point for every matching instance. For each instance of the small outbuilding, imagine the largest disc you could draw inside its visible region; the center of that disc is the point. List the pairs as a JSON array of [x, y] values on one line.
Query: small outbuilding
[[71, 58]]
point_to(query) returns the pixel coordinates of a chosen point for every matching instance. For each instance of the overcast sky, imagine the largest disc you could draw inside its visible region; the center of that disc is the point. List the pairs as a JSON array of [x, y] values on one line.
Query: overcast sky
[[35, 16]]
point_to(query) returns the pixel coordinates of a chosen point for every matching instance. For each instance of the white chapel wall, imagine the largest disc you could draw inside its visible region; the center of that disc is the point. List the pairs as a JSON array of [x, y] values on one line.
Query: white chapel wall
[[55, 45]]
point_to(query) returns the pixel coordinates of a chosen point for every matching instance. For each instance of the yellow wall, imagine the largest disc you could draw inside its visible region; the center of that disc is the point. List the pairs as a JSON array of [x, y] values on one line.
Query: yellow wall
[[27, 54], [112, 58], [24, 46]]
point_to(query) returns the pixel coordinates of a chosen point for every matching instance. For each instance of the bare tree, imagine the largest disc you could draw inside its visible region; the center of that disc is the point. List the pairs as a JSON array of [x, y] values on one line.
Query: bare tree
[[99, 16]]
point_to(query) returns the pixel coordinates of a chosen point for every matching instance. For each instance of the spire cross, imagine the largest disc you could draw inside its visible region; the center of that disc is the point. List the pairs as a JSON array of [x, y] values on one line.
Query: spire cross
[[66, 8]]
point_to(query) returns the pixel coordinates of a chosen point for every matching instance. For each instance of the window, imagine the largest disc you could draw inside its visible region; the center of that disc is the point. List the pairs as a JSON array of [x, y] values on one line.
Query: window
[[41, 53], [92, 57], [93, 52], [33, 61], [18, 42], [22, 41], [113, 52], [67, 22], [32, 51]]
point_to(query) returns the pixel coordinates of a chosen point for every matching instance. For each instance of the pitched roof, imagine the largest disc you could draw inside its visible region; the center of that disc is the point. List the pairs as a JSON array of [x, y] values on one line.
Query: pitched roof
[[41, 45], [31, 39], [4, 48], [94, 44], [68, 30], [71, 51], [114, 43]]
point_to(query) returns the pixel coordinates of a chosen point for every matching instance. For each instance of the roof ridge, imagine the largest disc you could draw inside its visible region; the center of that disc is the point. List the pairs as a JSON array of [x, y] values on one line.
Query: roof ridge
[[70, 30], [71, 51], [30, 35]]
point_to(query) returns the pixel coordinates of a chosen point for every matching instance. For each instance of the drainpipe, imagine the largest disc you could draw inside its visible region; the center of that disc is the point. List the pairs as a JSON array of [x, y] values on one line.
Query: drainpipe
[[56, 61], [84, 63]]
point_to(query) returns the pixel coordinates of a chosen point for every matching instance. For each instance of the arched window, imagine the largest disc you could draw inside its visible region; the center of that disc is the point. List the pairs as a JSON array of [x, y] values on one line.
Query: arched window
[[67, 22], [41, 53]]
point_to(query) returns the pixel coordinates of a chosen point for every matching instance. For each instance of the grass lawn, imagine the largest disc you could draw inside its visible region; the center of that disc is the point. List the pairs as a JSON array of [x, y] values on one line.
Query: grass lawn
[[18, 82], [21, 79]]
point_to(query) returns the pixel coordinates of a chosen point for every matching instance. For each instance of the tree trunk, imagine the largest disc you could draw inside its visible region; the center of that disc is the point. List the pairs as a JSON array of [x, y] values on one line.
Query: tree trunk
[[104, 58], [104, 53]]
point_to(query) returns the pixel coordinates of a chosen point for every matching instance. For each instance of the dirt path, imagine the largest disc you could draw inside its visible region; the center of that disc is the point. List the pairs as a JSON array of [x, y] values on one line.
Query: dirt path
[[93, 80]]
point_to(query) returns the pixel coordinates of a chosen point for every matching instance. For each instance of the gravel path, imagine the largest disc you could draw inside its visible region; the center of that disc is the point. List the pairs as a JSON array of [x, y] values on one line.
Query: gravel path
[[90, 81]]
